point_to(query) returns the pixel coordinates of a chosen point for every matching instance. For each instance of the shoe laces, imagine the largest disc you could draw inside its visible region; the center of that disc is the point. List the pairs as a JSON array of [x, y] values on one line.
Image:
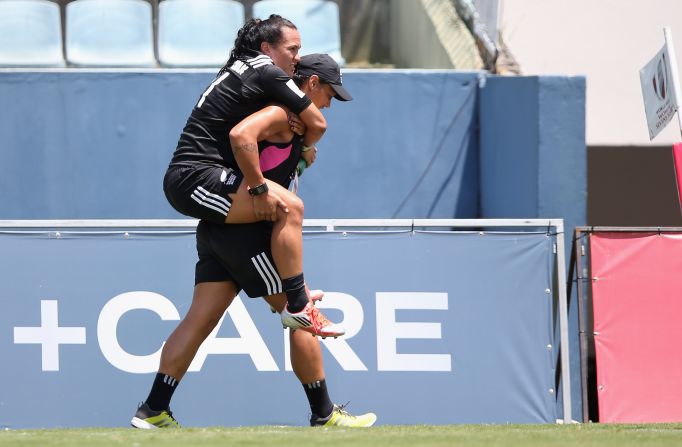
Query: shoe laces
[[170, 415], [342, 409], [316, 295], [317, 319]]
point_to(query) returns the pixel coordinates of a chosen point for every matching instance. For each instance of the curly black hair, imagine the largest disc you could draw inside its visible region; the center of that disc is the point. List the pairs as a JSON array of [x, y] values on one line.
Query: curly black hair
[[253, 33]]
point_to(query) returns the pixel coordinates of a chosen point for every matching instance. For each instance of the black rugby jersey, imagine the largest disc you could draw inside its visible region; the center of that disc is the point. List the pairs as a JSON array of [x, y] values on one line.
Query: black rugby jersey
[[250, 84]]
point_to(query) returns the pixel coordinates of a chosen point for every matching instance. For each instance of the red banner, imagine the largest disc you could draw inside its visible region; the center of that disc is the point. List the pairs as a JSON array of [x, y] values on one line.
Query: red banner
[[637, 299]]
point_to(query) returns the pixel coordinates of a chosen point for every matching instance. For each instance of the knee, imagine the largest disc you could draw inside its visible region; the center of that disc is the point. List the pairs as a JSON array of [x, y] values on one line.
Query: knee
[[295, 206], [202, 325], [209, 324]]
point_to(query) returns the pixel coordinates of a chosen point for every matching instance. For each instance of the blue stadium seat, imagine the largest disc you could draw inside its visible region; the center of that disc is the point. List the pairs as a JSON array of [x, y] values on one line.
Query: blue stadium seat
[[109, 33], [30, 34], [197, 33], [316, 20]]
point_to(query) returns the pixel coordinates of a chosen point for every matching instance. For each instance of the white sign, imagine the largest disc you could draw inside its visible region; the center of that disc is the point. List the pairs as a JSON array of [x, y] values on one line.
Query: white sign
[[250, 342], [659, 97]]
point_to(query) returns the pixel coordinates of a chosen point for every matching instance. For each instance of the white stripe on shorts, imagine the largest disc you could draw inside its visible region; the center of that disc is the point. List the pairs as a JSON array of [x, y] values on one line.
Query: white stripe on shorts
[[214, 196], [266, 278], [278, 281], [210, 200], [208, 205], [267, 273]]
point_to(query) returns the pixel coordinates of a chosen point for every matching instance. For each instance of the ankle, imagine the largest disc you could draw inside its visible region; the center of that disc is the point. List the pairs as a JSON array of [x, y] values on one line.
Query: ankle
[[294, 288]]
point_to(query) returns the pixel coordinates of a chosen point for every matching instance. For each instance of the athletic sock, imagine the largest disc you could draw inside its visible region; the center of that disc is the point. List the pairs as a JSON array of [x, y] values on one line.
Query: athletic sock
[[294, 288], [162, 391], [320, 404]]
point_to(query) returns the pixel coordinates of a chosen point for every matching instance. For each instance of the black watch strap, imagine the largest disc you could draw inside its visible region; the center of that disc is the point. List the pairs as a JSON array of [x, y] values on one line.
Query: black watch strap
[[258, 190]]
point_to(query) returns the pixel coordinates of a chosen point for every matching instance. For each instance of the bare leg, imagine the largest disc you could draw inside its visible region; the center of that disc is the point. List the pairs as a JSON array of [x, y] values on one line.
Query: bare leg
[[306, 354], [307, 363], [287, 231], [286, 245], [209, 303]]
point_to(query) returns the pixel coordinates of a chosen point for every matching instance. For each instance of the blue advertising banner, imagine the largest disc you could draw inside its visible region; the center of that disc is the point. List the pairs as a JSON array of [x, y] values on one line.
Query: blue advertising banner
[[110, 134], [442, 327]]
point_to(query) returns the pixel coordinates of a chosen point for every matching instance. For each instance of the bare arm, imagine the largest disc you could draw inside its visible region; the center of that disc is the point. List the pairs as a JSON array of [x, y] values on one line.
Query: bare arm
[[244, 137], [268, 123], [315, 124]]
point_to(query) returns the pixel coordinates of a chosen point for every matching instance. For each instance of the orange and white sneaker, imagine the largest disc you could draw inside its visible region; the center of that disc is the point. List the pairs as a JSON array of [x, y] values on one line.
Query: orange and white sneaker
[[315, 296], [310, 319]]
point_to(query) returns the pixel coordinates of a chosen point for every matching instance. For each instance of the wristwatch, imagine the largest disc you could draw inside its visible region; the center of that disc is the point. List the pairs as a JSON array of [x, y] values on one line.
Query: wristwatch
[[258, 190]]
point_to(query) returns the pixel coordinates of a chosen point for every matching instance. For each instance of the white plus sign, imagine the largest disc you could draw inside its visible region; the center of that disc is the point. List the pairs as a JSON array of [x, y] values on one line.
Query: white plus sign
[[49, 335]]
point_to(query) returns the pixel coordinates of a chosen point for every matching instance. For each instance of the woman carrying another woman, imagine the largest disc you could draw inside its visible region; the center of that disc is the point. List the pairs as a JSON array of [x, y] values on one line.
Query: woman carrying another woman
[[234, 257], [211, 180]]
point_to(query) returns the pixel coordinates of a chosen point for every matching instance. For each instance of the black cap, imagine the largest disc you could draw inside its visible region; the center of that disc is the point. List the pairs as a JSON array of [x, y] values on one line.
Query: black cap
[[327, 69]]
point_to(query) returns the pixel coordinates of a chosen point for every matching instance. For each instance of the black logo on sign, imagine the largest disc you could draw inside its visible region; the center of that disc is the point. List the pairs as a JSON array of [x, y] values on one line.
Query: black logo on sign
[[660, 79]]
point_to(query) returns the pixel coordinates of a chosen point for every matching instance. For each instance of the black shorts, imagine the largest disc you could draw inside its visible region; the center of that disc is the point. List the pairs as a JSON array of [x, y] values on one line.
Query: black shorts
[[239, 253], [201, 191]]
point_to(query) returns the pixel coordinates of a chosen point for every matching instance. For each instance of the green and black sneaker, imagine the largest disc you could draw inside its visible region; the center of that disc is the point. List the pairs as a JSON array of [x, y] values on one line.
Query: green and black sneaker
[[147, 418], [341, 418]]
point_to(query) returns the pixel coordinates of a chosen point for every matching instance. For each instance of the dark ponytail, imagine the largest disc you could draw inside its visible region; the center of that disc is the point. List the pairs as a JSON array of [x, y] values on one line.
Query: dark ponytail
[[253, 33], [299, 80]]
